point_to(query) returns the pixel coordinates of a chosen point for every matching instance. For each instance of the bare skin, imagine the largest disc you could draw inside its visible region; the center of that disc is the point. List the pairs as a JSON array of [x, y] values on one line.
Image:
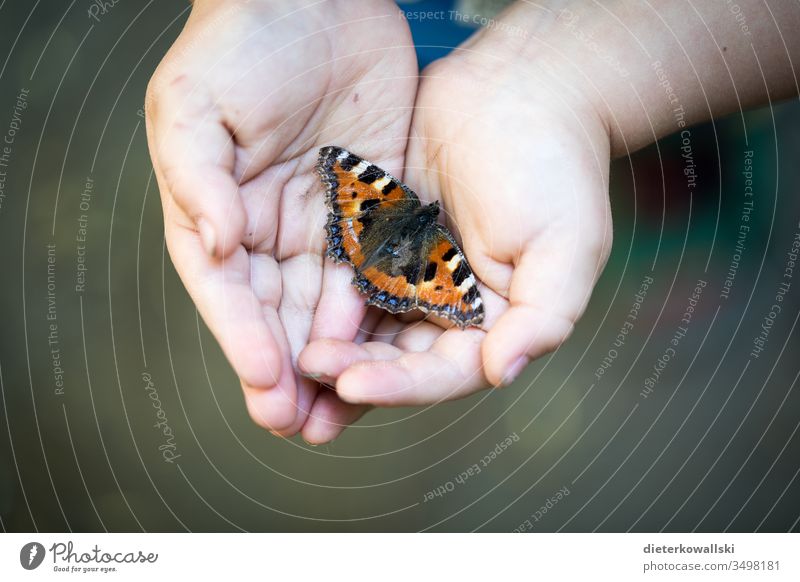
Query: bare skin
[[513, 133]]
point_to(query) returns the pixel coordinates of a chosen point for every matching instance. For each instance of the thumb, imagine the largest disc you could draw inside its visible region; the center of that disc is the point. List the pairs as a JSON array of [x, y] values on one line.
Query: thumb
[[550, 288]]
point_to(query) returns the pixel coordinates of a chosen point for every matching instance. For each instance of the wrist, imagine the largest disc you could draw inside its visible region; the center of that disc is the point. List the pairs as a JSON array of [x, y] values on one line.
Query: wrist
[[582, 54], [650, 71], [530, 50]]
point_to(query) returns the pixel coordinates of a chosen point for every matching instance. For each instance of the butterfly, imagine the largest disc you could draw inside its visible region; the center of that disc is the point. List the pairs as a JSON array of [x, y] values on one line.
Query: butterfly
[[402, 258]]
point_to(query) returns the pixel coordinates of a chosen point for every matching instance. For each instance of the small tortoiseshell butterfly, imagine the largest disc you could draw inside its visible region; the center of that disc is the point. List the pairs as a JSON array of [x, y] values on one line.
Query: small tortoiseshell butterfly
[[402, 258]]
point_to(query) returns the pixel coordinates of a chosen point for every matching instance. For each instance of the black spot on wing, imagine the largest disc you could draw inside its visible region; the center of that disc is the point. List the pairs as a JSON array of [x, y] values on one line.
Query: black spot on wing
[[411, 272], [430, 272], [461, 273], [449, 254], [471, 295], [389, 187], [367, 205], [349, 162], [365, 220], [371, 174]]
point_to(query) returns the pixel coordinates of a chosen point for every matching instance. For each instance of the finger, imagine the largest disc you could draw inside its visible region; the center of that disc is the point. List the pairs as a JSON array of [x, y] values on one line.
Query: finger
[[388, 328], [224, 296], [340, 311], [330, 414], [329, 417], [340, 314], [549, 291], [194, 156], [301, 276], [450, 369], [326, 359], [231, 300], [274, 407], [373, 319], [418, 336], [307, 393]]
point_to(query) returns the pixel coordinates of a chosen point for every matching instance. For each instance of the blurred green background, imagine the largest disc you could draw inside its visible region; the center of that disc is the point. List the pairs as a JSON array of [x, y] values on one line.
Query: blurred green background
[[713, 447]]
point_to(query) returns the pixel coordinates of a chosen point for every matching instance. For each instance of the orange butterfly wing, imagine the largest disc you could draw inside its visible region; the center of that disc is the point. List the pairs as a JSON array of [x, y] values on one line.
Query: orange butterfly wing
[[447, 286], [442, 283], [354, 188]]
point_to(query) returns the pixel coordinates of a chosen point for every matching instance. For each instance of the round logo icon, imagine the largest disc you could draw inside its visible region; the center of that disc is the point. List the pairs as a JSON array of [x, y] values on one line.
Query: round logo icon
[[31, 555]]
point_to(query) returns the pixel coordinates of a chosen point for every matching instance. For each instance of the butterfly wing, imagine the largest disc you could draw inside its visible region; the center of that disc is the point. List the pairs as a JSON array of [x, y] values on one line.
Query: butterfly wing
[[355, 189], [398, 266], [447, 286]]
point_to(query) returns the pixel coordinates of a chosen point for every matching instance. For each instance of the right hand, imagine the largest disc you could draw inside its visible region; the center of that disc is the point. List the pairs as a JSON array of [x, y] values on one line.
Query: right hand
[[236, 114]]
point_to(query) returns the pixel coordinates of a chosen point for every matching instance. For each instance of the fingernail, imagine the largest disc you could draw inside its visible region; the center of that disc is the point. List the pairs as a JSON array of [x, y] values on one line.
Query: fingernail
[[312, 375], [514, 370], [207, 237]]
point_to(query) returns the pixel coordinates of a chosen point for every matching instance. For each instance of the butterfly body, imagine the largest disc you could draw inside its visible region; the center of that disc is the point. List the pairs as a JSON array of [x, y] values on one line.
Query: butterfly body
[[403, 259]]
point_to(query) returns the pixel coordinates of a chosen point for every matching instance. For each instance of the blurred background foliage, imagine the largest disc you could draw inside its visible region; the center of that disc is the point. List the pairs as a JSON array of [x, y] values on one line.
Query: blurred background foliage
[[714, 447]]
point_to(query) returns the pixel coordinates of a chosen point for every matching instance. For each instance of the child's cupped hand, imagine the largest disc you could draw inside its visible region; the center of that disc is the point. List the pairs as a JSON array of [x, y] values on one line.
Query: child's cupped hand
[[236, 115]]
